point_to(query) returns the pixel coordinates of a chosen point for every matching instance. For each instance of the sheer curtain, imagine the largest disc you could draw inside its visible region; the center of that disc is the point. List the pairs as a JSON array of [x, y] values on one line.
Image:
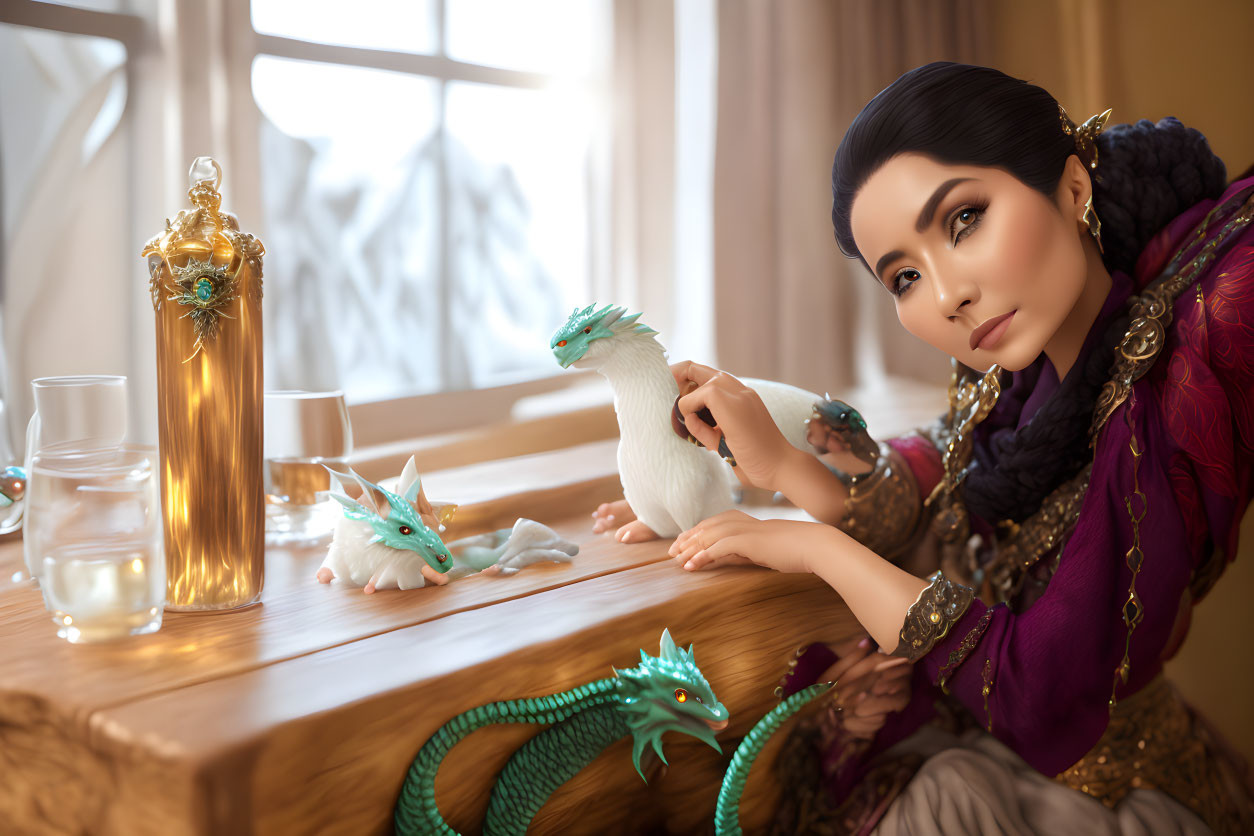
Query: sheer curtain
[[791, 77]]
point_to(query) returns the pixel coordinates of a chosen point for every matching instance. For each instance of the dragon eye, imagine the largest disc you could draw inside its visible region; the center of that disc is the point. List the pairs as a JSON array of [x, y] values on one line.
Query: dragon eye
[[588, 330], [561, 344], [406, 530], [441, 558], [681, 695]]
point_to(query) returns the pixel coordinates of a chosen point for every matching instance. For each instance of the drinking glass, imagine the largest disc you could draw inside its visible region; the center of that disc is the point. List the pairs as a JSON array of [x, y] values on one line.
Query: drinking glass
[[303, 432], [101, 566], [83, 413]]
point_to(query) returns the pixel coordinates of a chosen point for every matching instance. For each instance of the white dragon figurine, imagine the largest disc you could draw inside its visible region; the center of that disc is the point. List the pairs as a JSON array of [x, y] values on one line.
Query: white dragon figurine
[[387, 540], [669, 484]]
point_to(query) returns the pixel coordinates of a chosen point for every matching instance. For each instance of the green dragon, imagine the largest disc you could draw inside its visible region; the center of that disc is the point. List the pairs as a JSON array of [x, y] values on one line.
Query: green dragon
[[664, 693]]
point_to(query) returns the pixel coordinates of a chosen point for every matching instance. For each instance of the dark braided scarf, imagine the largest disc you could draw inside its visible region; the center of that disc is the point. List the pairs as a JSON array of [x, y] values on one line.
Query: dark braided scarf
[[1013, 470]]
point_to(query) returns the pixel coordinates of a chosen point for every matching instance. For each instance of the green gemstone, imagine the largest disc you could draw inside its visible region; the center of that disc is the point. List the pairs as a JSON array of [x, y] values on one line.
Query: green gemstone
[[204, 289]]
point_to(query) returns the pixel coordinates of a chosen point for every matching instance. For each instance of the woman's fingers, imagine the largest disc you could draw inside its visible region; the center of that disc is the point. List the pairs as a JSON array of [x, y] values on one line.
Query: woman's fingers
[[859, 674], [701, 431], [863, 727], [892, 680], [839, 669], [706, 560], [690, 372], [710, 531], [869, 704]]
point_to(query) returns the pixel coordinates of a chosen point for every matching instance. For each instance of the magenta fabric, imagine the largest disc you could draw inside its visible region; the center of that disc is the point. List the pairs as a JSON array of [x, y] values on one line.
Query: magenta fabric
[[1053, 665]]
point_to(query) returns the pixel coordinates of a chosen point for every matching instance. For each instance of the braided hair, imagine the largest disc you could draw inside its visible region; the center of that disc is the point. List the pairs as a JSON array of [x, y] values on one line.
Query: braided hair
[[1147, 174]]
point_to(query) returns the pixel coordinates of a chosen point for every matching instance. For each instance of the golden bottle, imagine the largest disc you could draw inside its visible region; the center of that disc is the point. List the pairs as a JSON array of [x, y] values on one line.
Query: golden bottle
[[205, 281]]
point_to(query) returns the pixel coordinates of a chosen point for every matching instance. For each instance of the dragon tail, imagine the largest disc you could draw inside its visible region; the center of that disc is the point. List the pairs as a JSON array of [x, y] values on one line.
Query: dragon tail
[[726, 811], [547, 761], [416, 809]]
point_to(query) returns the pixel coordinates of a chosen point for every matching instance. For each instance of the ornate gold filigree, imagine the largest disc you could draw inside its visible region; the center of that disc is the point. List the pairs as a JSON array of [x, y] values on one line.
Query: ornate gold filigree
[[1025, 544], [1153, 742], [969, 404], [1133, 611], [958, 656], [883, 508], [1152, 314], [941, 603]]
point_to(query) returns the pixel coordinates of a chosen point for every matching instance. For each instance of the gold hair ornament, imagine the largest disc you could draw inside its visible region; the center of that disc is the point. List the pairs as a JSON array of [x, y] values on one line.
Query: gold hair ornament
[[1085, 135], [1086, 149]]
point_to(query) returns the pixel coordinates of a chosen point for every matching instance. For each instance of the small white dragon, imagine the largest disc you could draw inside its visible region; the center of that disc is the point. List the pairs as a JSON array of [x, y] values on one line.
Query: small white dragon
[[669, 484], [389, 540]]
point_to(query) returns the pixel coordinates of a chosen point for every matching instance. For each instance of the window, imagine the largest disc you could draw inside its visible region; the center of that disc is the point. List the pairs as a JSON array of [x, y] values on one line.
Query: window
[[432, 178]]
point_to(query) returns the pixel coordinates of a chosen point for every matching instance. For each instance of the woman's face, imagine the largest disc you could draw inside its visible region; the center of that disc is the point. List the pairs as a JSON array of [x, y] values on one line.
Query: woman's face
[[981, 266]]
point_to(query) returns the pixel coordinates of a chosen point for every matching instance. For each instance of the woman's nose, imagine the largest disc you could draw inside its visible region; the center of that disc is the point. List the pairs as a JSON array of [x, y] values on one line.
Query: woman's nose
[[953, 293]]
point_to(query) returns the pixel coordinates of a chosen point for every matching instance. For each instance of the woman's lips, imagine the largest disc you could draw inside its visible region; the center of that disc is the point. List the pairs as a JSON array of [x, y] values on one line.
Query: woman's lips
[[988, 334]]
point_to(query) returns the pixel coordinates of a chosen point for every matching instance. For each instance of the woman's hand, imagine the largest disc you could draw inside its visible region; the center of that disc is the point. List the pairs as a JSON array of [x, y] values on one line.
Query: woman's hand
[[740, 416], [869, 686], [734, 538]]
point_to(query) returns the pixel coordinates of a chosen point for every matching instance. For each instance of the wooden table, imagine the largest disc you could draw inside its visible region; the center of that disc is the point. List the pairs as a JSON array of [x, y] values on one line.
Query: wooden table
[[302, 714]]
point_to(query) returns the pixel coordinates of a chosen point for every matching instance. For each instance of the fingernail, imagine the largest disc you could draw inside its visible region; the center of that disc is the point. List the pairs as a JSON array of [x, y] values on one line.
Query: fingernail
[[866, 642], [625, 537], [860, 697], [690, 565]]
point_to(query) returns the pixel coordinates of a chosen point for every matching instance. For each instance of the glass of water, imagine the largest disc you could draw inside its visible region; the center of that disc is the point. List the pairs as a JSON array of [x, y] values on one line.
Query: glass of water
[[306, 432], [80, 413], [102, 570]]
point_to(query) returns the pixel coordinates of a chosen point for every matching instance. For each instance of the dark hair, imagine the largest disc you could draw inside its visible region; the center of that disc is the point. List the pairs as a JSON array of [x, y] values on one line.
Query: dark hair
[[965, 115], [1146, 175]]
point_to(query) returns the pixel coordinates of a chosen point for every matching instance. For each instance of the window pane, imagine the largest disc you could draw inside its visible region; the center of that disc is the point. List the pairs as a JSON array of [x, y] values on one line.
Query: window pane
[[547, 36], [70, 262], [520, 217], [400, 25], [349, 170]]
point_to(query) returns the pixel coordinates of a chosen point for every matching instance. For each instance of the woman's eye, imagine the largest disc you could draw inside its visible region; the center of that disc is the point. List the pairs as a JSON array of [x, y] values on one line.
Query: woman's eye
[[964, 221], [903, 281]]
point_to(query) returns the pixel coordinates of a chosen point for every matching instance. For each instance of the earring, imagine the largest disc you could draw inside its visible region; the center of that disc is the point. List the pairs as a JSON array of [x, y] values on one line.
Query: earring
[[1094, 223]]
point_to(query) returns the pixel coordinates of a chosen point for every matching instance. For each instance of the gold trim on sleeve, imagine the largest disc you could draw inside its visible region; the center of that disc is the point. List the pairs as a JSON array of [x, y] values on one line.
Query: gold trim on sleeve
[[938, 607]]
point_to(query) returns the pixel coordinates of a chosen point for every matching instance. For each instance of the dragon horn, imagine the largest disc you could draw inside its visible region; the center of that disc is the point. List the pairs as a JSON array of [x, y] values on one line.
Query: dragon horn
[[372, 496], [410, 482], [668, 650]]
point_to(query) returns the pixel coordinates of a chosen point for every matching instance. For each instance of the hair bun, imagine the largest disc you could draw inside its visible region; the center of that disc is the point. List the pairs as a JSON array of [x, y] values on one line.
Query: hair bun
[[1148, 174]]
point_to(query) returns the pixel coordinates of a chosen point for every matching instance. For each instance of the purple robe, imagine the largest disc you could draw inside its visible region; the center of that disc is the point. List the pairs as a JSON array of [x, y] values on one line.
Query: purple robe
[[1050, 668]]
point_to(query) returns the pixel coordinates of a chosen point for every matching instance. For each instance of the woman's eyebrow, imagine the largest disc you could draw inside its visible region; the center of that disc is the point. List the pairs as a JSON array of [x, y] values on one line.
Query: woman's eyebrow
[[929, 209], [925, 218], [887, 258]]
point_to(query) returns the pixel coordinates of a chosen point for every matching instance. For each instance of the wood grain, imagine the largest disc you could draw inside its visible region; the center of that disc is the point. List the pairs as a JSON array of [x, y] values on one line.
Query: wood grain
[[302, 714], [325, 739]]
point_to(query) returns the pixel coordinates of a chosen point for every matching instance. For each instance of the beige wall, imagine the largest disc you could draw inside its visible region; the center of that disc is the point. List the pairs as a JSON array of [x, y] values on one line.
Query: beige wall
[[1149, 59], [1145, 58]]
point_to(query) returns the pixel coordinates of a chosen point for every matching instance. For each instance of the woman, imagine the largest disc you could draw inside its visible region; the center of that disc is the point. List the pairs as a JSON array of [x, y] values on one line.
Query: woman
[[1078, 498]]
